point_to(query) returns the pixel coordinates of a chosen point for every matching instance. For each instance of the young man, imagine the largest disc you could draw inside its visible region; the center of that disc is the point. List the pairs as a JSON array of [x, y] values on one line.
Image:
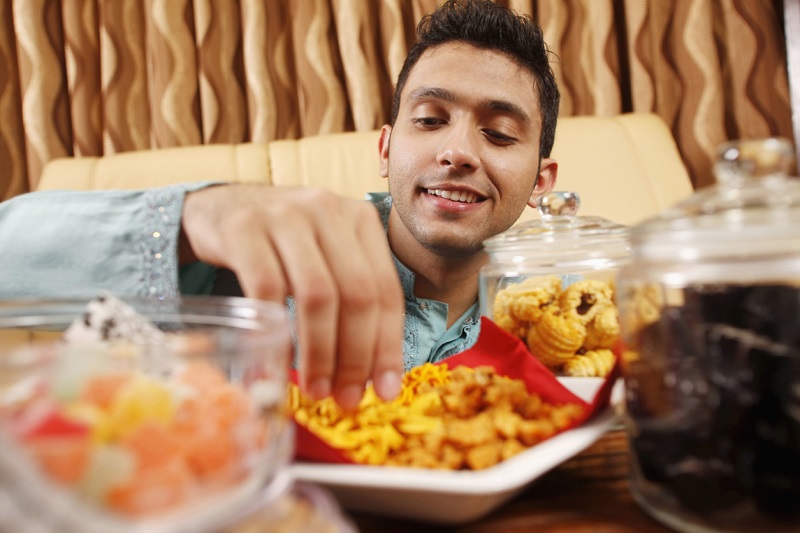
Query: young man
[[473, 122]]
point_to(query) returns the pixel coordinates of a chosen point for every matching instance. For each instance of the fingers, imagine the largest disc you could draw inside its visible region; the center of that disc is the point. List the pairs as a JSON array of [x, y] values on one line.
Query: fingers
[[251, 254], [332, 256], [341, 286], [388, 363], [366, 280], [316, 296]]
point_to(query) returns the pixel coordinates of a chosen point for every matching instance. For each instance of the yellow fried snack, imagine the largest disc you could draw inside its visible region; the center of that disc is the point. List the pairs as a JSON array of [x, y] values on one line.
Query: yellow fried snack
[[558, 324], [584, 298], [446, 419], [594, 363], [603, 331], [520, 304], [556, 337], [642, 307]]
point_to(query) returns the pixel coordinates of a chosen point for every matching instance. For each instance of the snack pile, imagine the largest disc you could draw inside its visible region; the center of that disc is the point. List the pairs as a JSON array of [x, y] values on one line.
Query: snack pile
[[571, 330], [464, 418], [133, 443]]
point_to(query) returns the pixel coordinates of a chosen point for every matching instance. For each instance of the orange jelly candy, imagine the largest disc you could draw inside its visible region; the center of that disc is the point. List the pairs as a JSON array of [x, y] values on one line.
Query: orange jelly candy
[[152, 491], [153, 445], [226, 405], [63, 458], [101, 389], [211, 453]]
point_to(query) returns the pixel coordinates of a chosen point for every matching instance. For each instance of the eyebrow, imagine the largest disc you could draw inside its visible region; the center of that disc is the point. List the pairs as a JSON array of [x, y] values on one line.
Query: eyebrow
[[425, 93]]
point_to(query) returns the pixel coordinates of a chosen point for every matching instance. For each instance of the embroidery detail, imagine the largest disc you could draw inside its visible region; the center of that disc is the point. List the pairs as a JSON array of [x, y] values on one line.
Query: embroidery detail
[[410, 342], [157, 243]]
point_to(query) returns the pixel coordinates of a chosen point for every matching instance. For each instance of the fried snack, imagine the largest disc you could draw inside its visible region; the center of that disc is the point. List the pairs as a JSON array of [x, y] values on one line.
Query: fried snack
[[445, 419], [556, 337], [594, 363], [642, 307], [559, 324], [603, 331], [519, 305], [583, 299]]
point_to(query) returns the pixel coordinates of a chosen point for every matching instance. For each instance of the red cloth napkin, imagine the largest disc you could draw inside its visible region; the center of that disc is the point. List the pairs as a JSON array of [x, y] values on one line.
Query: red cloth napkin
[[510, 357]]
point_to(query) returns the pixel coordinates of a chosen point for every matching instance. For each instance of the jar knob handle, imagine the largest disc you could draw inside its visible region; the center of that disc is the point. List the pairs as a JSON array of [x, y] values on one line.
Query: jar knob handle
[[754, 158], [558, 203]]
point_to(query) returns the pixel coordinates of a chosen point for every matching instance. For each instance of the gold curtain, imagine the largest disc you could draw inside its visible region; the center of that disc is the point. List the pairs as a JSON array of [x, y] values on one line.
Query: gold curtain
[[93, 77]]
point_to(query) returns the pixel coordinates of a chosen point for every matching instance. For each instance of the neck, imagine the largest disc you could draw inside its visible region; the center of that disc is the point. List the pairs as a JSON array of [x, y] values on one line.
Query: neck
[[452, 280], [458, 289]]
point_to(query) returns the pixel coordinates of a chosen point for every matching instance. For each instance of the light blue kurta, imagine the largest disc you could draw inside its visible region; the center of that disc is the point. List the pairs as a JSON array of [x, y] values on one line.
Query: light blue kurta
[[77, 243], [427, 337]]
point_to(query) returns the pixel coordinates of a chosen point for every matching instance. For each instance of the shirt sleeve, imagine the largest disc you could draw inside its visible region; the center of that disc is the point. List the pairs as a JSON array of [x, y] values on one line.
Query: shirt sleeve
[[77, 243]]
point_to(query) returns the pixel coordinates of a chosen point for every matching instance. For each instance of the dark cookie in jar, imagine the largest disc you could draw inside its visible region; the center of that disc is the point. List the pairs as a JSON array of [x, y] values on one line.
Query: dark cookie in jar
[[721, 427]]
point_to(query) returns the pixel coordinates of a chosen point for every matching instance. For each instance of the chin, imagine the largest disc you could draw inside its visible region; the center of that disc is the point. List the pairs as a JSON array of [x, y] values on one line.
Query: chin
[[453, 248]]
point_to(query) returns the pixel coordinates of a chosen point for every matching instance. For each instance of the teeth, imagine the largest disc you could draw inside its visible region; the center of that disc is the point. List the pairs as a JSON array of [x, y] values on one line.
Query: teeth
[[456, 196]]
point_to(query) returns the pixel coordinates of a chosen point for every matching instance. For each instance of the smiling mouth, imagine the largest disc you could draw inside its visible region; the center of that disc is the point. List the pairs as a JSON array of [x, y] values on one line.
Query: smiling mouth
[[456, 196]]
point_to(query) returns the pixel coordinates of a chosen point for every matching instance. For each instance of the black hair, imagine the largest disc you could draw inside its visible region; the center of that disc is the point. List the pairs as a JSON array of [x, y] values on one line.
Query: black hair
[[487, 25]]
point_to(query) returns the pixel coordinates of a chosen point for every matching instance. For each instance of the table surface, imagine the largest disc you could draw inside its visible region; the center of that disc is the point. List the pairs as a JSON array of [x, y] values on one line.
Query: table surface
[[588, 493]]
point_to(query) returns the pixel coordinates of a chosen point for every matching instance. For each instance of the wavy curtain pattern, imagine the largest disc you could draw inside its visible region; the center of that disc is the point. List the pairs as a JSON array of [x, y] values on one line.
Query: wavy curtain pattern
[[93, 77]]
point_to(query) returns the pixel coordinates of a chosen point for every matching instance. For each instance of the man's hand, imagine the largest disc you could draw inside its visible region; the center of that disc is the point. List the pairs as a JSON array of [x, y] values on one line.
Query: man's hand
[[331, 254]]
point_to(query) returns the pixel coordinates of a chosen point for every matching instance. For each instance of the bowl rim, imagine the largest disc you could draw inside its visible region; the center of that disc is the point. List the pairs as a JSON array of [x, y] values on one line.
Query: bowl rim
[[269, 321]]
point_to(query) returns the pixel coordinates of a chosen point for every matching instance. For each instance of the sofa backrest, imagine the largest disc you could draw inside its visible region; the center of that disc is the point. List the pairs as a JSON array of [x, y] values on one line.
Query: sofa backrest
[[625, 167], [346, 163]]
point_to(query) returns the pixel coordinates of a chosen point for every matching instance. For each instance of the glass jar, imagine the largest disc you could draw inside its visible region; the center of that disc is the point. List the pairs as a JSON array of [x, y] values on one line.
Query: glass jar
[[550, 282], [710, 313]]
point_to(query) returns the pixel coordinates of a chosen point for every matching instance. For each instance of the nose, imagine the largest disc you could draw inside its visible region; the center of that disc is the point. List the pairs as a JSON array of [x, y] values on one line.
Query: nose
[[459, 148]]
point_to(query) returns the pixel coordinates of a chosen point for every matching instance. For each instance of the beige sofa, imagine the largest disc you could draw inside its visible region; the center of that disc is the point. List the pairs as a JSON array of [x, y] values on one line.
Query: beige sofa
[[625, 168]]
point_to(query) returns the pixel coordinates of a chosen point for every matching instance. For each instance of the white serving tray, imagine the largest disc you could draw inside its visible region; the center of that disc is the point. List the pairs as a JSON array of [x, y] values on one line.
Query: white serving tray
[[449, 497]]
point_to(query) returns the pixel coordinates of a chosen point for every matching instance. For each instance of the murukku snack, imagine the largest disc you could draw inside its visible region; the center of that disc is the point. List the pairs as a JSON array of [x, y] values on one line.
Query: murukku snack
[[456, 419], [561, 327]]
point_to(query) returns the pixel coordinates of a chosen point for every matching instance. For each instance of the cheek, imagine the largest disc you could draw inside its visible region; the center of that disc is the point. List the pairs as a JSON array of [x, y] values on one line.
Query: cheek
[[399, 172], [515, 176], [403, 163]]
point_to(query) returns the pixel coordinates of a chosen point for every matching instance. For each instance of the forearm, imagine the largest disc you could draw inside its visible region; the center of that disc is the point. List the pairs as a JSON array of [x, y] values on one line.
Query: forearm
[[65, 243]]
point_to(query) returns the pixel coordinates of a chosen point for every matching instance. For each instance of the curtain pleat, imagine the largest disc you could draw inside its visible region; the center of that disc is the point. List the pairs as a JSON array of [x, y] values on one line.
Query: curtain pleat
[[269, 70], [323, 104], [13, 163], [40, 62], [172, 72], [124, 76], [94, 77], [82, 54], [363, 68], [218, 38], [700, 118]]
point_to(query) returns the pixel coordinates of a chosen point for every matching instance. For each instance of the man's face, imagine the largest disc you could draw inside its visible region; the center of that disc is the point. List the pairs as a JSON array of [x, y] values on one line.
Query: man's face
[[464, 148]]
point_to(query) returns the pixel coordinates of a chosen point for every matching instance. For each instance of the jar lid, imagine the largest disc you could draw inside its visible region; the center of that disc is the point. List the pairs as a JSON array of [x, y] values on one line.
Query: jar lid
[[561, 233], [752, 211]]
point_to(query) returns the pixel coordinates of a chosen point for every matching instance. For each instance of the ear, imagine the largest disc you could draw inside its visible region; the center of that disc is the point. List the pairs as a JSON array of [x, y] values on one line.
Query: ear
[[383, 149], [548, 172]]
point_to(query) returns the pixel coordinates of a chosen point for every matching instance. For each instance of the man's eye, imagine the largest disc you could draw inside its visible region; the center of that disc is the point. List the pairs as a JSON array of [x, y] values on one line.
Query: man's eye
[[428, 121], [498, 137]]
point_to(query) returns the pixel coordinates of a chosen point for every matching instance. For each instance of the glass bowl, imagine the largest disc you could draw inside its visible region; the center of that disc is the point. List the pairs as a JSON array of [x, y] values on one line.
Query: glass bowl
[[173, 423]]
